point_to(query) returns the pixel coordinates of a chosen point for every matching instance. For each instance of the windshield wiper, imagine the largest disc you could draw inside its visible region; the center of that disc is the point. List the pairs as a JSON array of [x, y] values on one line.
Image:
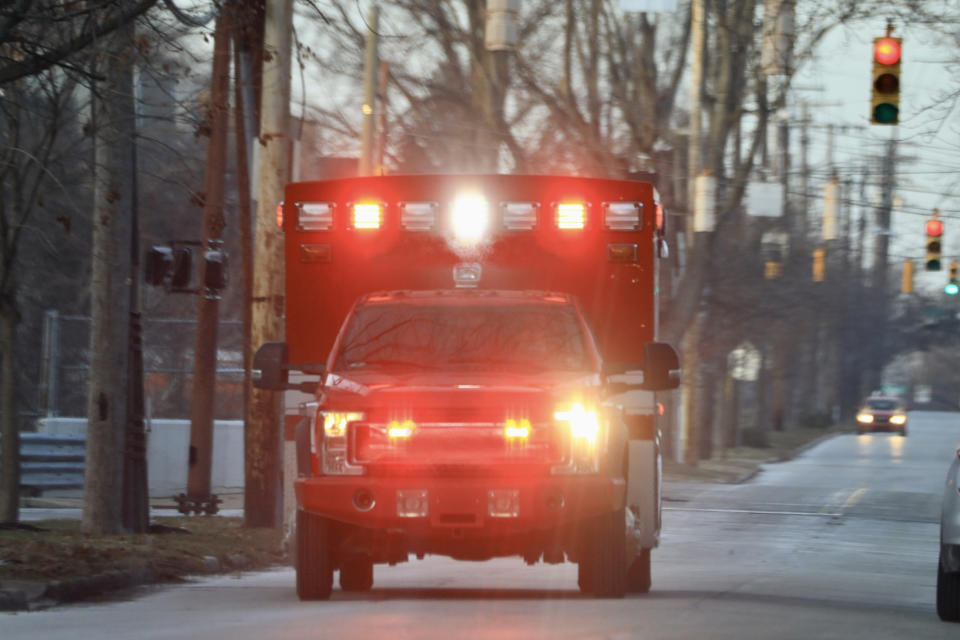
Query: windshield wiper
[[392, 363]]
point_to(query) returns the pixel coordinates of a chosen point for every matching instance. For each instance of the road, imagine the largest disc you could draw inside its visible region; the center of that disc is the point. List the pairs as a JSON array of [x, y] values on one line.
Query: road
[[839, 543]]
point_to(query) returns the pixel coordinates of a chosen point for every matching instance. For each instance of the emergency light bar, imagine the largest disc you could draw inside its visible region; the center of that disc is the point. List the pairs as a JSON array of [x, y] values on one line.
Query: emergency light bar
[[519, 216], [314, 216], [418, 216], [622, 216], [571, 215], [470, 217], [367, 216]]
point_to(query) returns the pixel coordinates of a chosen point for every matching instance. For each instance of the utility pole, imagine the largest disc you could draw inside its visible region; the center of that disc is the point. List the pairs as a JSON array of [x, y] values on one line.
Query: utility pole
[[369, 93], [136, 502], [382, 120], [691, 337], [263, 435], [198, 497], [879, 280]]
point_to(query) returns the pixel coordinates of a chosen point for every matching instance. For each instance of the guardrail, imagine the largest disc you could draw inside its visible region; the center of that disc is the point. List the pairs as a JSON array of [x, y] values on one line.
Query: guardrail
[[51, 461]]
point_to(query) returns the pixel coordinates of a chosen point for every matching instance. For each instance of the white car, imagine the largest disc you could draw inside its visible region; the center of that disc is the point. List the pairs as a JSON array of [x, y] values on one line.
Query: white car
[[948, 569]]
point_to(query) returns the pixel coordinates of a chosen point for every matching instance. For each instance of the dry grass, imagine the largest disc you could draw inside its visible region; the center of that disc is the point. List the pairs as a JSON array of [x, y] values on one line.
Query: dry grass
[[61, 550]]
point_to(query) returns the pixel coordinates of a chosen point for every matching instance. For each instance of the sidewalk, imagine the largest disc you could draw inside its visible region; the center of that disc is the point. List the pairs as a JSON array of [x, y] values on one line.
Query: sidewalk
[[70, 505]]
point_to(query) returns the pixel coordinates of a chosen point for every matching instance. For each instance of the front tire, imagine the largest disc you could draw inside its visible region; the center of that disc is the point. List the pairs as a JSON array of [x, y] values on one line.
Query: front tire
[[603, 558], [948, 593], [314, 569], [638, 574]]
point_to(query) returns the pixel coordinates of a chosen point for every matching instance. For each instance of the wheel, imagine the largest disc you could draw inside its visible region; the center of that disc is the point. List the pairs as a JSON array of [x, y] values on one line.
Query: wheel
[[948, 594], [356, 573], [603, 558], [314, 569], [903, 432], [638, 573]]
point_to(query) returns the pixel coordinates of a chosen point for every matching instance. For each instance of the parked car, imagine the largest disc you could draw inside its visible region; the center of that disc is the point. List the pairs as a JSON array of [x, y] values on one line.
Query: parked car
[[882, 413], [948, 567]]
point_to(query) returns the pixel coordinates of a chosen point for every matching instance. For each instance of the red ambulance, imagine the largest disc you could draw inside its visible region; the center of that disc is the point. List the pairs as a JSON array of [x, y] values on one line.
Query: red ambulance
[[481, 357]]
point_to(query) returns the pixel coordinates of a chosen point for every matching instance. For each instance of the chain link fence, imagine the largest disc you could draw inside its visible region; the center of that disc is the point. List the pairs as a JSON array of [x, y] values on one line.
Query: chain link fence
[[168, 354]]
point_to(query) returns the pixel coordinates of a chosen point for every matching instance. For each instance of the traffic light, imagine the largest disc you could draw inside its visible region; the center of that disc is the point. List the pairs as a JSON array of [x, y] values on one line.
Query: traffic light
[[819, 264], [953, 285], [934, 230], [885, 95]]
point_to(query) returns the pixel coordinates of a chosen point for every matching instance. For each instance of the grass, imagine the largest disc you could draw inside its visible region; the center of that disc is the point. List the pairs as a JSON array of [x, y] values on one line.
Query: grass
[[60, 550]]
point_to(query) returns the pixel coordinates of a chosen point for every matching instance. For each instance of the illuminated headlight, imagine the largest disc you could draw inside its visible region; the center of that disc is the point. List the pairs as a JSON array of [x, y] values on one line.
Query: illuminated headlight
[[864, 418], [469, 219], [334, 439], [584, 430], [898, 419]]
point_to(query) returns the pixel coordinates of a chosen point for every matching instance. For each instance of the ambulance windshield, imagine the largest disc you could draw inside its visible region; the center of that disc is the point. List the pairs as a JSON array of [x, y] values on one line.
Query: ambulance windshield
[[514, 337]]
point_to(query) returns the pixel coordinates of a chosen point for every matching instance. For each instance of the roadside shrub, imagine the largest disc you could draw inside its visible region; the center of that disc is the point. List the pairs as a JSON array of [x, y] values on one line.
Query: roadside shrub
[[819, 420], [755, 437]]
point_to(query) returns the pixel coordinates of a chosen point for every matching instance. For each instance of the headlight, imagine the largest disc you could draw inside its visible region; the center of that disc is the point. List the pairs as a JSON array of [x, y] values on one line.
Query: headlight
[[334, 442], [865, 418], [898, 419], [583, 425]]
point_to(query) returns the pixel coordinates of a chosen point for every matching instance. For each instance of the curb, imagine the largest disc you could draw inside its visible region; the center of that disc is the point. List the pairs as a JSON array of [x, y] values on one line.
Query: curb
[[32, 596]]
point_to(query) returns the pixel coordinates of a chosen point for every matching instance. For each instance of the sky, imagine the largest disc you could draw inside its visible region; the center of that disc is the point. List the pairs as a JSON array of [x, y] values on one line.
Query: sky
[[836, 85]]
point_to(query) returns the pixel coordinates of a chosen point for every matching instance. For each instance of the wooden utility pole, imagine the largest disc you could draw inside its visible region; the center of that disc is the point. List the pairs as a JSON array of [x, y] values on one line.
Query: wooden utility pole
[[691, 337], [109, 292], [264, 421], [205, 350], [369, 94]]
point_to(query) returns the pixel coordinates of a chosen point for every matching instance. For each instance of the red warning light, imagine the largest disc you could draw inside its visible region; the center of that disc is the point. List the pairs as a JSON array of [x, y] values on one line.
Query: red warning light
[[934, 227], [886, 51]]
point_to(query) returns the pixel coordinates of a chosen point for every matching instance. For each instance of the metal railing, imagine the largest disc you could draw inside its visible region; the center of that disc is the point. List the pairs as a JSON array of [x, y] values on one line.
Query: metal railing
[[51, 461]]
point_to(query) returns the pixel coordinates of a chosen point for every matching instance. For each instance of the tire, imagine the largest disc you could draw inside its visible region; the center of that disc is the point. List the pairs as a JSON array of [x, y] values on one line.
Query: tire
[[603, 558], [314, 569], [356, 573], [903, 432], [638, 573], [948, 594]]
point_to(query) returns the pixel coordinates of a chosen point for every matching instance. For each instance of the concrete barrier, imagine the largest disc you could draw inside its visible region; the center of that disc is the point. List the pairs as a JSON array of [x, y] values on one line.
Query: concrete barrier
[[168, 445]]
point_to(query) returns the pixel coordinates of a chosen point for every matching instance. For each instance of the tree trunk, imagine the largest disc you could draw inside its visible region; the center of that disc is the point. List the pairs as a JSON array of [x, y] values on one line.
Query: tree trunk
[[109, 294], [264, 421], [9, 429]]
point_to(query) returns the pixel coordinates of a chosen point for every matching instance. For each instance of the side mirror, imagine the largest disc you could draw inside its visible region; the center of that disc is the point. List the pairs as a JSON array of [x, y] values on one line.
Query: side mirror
[[661, 367], [617, 378], [270, 364]]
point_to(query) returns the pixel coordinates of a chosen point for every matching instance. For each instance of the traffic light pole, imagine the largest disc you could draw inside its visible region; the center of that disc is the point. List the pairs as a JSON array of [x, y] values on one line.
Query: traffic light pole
[[879, 279], [198, 497]]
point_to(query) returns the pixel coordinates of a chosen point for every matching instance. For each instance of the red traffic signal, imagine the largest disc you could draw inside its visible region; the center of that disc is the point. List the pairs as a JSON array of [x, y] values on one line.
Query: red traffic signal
[[885, 92], [886, 50], [934, 227]]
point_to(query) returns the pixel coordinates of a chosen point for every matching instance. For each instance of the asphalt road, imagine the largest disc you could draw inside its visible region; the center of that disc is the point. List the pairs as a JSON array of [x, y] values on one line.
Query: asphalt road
[[838, 543]]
